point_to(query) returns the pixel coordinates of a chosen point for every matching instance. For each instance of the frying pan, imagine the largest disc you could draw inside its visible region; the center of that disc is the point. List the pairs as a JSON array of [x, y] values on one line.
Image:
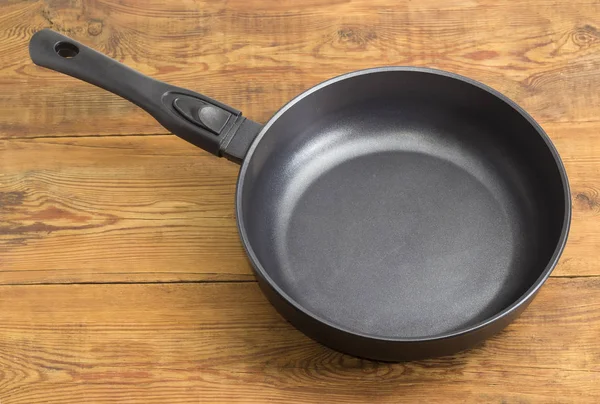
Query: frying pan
[[393, 213]]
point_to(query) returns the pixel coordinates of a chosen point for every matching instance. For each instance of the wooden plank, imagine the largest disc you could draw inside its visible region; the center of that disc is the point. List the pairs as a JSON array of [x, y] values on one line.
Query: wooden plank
[[579, 146], [116, 209], [190, 343], [255, 55], [154, 208]]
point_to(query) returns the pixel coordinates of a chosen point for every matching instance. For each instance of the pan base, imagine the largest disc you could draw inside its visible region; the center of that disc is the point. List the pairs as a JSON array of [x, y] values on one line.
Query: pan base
[[400, 244]]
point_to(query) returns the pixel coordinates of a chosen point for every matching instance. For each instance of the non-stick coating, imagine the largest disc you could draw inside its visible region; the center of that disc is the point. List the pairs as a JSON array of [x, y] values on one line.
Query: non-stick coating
[[401, 204]]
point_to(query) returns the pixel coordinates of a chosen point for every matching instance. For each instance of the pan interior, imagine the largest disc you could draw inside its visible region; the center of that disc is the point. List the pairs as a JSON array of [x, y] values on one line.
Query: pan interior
[[402, 204]]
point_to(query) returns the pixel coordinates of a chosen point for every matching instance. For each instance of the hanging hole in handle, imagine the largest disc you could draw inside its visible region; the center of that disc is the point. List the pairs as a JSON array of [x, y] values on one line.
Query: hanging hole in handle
[[66, 49]]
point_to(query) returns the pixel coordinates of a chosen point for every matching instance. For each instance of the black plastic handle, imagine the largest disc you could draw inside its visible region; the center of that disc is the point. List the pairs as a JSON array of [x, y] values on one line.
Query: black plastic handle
[[202, 121]]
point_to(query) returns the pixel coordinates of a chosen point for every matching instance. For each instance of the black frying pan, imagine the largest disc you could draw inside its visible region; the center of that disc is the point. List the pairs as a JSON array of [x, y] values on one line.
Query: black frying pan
[[393, 213]]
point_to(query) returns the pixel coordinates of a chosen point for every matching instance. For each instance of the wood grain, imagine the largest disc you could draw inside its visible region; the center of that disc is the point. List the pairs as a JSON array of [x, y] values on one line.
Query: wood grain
[[224, 343], [256, 56], [116, 209]]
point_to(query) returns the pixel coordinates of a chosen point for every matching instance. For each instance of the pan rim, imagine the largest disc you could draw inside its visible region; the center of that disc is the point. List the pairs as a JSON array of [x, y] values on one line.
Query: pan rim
[[523, 299]]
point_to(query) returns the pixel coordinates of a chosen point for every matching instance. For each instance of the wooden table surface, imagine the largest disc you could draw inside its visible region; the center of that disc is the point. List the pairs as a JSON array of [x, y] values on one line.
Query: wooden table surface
[[122, 278]]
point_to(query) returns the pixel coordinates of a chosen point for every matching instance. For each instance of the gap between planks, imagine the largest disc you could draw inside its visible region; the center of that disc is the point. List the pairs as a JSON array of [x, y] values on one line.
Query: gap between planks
[[167, 133], [234, 281], [200, 281]]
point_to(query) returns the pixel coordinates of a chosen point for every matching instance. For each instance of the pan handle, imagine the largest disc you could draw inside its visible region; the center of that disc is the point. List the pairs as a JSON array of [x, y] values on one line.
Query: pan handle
[[202, 121]]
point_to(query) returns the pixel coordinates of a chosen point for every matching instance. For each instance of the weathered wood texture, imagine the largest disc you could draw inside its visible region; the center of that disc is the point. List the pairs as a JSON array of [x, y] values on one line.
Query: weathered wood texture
[[223, 343], [257, 54], [92, 190], [149, 208]]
